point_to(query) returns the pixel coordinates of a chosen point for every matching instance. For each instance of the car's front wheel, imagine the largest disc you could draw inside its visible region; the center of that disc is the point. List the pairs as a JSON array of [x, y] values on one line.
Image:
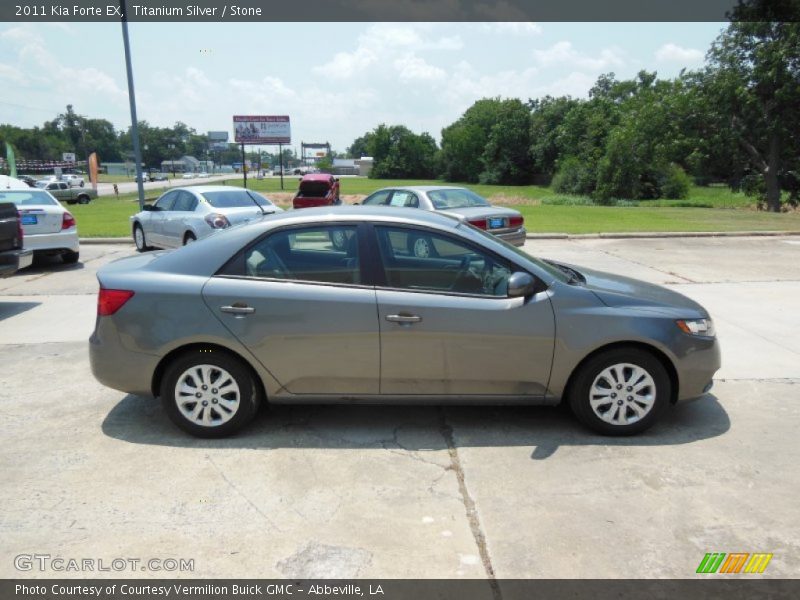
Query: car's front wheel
[[138, 238], [620, 392], [209, 393]]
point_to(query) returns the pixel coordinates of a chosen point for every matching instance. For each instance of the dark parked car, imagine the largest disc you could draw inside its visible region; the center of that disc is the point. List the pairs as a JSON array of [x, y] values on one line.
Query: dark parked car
[[12, 255], [273, 311], [317, 189]]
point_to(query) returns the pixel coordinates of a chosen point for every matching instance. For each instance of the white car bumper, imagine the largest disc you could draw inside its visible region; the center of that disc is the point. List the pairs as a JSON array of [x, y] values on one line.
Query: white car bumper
[[63, 240]]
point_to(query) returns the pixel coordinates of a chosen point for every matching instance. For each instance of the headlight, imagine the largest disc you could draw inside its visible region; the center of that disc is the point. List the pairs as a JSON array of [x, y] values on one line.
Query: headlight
[[703, 327]]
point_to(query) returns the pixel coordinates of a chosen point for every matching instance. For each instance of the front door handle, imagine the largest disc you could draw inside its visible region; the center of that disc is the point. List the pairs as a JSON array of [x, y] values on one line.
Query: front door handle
[[404, 318], [238, 308]]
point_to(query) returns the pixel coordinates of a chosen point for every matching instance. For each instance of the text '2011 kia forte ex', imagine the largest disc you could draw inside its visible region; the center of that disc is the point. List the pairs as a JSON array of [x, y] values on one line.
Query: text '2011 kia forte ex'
[[276, 311]]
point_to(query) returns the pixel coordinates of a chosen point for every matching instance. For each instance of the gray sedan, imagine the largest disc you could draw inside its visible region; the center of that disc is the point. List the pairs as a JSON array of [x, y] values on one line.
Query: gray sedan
[[462, 203], [184, 215], [274, 311]]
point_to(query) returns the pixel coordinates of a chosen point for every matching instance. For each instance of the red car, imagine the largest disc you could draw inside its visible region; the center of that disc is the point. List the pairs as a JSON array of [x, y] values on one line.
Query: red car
[[317, 189]]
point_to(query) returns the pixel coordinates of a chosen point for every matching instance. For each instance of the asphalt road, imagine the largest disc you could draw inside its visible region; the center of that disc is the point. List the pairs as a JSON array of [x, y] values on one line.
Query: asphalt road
[[346, 491]]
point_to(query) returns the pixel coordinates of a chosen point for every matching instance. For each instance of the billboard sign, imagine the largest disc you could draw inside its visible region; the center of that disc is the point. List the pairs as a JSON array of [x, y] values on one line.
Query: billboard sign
[[68, 156], [262, 129], [217, 136]]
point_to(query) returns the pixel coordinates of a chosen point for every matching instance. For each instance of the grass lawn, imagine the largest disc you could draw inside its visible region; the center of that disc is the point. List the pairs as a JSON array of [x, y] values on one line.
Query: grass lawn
[[544, 210]]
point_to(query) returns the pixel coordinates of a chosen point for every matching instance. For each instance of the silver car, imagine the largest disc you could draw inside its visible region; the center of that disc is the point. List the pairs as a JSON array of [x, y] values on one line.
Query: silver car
[[186, 214], [273, 311], [505, 223]]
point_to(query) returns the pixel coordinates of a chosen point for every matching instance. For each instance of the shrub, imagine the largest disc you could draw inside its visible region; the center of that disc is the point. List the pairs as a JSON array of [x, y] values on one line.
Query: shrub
[[573, 177], [675, 183]]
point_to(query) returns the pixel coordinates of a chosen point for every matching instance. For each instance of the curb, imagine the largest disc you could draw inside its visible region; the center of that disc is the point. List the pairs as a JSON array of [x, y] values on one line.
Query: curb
[[571, 236], [657, 235]]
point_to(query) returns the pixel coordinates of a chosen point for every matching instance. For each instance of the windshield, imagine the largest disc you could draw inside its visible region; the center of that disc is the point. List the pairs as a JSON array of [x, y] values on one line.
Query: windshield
[[235, 199], [27, 197], [455, 198], [554, 271]]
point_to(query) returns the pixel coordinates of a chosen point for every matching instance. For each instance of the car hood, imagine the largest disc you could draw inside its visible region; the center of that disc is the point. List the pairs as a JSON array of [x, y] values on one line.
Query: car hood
[[618, 291], [480, 212]]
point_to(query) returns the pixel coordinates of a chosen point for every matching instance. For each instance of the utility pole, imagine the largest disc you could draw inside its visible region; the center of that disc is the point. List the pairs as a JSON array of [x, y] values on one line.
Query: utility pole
[[137, 151]]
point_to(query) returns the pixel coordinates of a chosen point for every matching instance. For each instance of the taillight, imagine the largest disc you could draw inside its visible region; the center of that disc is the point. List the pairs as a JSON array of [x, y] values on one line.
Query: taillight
[[110, 301], [218, 221], [479, 223], [516, 221], [20, 232], [67, 221]]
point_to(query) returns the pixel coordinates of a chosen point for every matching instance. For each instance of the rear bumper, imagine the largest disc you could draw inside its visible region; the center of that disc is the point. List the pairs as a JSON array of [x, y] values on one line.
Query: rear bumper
[[515, 238], [310, 203], [55, 242], [12, 261], [117, 367]]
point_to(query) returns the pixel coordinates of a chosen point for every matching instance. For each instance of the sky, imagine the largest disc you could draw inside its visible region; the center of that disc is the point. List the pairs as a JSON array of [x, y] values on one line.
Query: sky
[[336, 81]]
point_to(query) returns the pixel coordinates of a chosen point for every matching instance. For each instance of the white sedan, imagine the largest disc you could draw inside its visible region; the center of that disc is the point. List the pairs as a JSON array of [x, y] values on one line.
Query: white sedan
[[186, 214], [48, 227]]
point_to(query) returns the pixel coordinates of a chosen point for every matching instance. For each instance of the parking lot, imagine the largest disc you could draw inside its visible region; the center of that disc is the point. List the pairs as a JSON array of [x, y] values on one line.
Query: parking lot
[[400, 492]]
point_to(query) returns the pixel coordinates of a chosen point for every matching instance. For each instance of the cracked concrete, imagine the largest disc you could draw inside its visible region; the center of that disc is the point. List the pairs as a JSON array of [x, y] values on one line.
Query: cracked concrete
[[462, 492]]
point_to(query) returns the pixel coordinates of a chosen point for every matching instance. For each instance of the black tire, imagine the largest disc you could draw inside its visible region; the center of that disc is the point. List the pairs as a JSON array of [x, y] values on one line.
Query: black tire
[[81, 184], [83, 199], [188, 238], [139, 239], [70, 258], [246, 403], [624, 418]]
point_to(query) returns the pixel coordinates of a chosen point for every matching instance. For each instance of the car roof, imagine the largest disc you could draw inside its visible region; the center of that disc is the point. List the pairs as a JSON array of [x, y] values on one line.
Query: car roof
[[317, 177], [425, 188], [366, 213], [201, 189]]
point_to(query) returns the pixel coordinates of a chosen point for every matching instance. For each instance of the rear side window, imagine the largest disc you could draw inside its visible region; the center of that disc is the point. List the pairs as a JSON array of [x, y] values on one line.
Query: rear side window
[[166, 201], [323, 254], [404, 198], [186, 202], [378, 198]]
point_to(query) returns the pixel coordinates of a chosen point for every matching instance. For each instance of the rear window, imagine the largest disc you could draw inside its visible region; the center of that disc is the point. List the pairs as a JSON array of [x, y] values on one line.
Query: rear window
[[235, 199], [455, 198], [28, 198], [317, 189]]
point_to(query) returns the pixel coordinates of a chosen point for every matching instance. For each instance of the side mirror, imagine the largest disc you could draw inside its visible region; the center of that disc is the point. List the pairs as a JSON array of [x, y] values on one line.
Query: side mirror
[[149, 207], [520, 284]]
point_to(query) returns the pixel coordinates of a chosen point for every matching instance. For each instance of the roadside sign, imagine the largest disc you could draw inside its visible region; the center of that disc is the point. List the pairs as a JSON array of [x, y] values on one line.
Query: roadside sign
[[68, 156], [266, 130]]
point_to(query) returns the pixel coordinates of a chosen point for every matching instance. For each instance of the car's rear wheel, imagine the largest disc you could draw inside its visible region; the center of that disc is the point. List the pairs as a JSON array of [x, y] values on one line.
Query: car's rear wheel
[[83, 199], [139, 240], [209, 393], [189, 238], [620, 392], [70, 258]]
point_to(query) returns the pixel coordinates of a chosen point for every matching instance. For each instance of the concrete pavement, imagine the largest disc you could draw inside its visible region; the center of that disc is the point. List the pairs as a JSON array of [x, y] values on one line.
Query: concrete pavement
[[412, 491]]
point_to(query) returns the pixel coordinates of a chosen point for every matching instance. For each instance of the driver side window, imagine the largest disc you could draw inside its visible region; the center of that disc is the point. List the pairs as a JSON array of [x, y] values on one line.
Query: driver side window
[[416, 259]]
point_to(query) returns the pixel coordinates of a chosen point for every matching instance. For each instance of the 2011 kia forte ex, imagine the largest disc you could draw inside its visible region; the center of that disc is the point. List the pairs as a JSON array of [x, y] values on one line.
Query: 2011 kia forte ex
[[275, 311]]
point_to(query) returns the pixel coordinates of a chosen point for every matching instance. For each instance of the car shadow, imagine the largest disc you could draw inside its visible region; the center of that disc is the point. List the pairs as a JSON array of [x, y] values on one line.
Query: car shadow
[[141, 420], [42, 263], [12, 309]]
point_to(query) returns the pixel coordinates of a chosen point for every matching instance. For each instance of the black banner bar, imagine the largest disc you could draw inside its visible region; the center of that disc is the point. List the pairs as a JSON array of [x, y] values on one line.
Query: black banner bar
[[711, 588], [381, 10]]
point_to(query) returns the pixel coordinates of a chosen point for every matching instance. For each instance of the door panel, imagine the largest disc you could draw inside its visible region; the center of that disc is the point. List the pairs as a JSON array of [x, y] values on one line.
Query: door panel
[[314, 339], [465, 345]]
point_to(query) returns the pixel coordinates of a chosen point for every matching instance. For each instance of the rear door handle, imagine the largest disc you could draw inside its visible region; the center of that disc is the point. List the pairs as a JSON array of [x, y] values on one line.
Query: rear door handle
[[404, 318], [238, 309]]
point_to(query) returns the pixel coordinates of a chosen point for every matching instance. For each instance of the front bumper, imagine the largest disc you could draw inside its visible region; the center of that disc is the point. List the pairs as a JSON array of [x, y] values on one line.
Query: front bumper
[[696, 370]]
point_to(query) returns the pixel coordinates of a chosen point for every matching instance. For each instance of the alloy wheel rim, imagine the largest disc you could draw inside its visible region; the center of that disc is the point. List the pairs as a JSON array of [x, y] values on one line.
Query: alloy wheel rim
[[421, 248], [207, 395], [139, 237], [622, 394]]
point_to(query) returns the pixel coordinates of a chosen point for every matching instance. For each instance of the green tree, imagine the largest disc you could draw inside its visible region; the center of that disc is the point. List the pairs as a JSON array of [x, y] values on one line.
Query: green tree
[[754, 83], [399, 153]]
